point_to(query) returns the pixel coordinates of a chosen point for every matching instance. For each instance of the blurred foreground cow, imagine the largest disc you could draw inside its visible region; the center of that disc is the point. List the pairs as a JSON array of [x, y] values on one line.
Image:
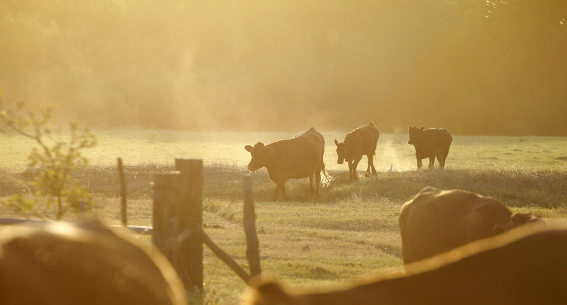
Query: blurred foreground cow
[[430, 143], [357, 143], [522, 267], [70, 264], [435, 221], [298, 157]]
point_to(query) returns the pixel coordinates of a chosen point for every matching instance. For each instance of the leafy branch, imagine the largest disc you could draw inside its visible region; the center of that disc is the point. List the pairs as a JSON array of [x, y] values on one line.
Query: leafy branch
[[56, 158]]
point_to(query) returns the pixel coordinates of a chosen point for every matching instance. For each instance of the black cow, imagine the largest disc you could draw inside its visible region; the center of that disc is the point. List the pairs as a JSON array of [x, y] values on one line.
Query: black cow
[[298, 157], [359, 142], [430, 143]]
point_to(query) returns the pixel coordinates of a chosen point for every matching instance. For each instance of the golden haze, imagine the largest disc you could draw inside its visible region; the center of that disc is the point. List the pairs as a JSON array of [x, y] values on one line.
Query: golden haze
[[472, 66]]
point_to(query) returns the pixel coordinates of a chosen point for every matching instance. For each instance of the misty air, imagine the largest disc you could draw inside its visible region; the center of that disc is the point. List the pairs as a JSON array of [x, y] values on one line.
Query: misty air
[[283, 152]]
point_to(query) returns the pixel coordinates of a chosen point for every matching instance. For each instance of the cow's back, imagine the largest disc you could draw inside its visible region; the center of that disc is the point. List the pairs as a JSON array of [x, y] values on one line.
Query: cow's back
[[438, 137], [364, 138], [435, 221], [297, 157]]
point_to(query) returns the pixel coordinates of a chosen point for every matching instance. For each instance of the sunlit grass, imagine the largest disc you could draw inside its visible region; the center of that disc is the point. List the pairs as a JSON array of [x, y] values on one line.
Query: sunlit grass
[[143, 147], [351, 231]]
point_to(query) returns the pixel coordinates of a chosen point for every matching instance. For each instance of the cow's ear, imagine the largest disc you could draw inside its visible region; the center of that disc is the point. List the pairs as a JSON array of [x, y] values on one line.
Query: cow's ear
[[336, 142], [268, 151], [248, 148]]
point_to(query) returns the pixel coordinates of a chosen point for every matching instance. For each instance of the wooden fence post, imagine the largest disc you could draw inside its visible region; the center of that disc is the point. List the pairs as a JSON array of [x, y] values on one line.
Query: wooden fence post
[[249, 219], [190, 215], [123, 193], [165, 214]]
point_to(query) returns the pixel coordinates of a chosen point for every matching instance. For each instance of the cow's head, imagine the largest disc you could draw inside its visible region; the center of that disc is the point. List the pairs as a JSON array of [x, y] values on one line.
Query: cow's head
[[343, 152], [415, 135], [516, 220], [260, 154]]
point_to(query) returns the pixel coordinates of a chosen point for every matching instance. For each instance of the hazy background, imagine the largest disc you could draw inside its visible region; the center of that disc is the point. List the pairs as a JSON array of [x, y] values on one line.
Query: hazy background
[[472, 66]]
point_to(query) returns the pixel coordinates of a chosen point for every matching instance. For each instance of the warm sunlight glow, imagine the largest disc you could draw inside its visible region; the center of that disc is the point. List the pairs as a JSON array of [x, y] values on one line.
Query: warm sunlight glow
[[474, 67]]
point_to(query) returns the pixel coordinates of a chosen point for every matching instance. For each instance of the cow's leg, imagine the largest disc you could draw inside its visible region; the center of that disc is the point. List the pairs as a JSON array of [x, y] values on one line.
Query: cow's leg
[[317, 181], [311, 189], [440, 153], [350, 176], [431, 162], [354, 166], [444, 155], [367, 173], [371, 164], [419, 163], [280, 188], [441, 160]]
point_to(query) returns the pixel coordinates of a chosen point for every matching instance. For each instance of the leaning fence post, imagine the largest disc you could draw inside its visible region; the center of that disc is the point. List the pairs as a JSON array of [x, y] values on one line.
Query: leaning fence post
[[249, 219], [225, 257], [190, 214]]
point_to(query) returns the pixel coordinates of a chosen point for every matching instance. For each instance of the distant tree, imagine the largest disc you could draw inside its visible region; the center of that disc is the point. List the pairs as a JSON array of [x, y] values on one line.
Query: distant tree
[[55, 157]]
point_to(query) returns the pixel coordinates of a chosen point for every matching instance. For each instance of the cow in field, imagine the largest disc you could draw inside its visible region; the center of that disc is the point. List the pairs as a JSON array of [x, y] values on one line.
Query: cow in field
[[298, 157], [435, 221], [357, 143], [430, 143], [521, 267]]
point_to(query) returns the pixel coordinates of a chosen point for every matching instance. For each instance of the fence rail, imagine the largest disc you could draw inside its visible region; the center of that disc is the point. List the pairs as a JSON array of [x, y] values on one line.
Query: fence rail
[[23, 221]]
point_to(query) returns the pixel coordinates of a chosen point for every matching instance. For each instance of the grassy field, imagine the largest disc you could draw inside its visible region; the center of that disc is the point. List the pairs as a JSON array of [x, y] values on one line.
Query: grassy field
[[351, 231]]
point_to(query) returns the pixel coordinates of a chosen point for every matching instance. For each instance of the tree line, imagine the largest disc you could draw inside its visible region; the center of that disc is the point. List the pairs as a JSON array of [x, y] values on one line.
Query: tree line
[[474, 67]]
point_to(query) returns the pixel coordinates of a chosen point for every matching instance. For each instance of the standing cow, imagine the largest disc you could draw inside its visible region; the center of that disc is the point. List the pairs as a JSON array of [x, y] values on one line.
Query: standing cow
[[359, 142], [298, 157], [435, 221], [430, 143]]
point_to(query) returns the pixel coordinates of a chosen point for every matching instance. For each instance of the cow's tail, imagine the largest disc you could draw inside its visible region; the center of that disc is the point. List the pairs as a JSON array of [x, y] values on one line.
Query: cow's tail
[[376, 137], [326, 177]]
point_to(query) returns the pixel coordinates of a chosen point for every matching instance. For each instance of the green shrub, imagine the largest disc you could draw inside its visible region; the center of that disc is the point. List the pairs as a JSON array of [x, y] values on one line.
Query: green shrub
[[56, 156]]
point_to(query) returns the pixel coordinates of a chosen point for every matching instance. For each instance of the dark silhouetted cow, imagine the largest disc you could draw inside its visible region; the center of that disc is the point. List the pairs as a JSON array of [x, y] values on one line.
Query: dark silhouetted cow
[[86, 263], [521, 267], [357, 143], [435, 221], [298, 157], [430, 143]]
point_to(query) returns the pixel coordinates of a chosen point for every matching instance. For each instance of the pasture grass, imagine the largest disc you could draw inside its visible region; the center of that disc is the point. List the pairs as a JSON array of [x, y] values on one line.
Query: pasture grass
[[351, 231]]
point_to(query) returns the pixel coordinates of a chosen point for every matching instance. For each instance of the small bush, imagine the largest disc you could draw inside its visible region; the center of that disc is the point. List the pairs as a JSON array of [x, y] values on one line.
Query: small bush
[[56, 158]]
